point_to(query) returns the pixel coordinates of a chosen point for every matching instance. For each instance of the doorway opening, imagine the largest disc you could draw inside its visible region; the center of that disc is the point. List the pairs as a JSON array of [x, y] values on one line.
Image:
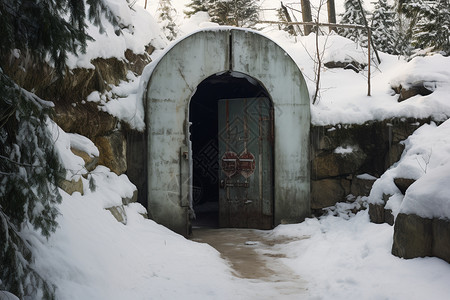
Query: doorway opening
[[205, 135]]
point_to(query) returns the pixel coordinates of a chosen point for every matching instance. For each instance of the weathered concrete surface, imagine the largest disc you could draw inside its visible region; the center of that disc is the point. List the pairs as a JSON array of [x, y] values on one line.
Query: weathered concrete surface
[[171, 85], [252, 256]]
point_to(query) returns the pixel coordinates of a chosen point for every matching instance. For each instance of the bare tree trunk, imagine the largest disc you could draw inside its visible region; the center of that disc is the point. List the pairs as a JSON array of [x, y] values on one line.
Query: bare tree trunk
[[288, 18], [306, 15], [331, 14], [367, 27]]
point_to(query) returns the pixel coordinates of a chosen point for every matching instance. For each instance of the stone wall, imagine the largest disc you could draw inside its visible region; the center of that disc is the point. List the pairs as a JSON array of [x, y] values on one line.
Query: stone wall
[[340, 154], [75, 115]]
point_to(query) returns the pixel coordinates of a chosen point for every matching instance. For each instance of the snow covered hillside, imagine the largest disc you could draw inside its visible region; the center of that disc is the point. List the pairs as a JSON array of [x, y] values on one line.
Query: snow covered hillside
[[92, 256]]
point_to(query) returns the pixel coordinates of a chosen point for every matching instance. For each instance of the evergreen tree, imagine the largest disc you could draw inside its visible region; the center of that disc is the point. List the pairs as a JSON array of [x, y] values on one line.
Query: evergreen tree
[[384, 33], [433, 26], [240, 13], [166, 15], [352, 15], [29, 171], [197, 5], [29, 165]]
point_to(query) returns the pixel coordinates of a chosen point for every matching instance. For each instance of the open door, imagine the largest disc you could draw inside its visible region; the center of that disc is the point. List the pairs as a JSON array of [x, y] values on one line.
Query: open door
[[245, 141]]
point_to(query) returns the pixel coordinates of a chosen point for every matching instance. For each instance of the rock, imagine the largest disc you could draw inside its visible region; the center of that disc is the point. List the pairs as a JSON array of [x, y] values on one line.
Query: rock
[[330, 164], [417, 88], [84, 119], [90, 162], [112, 150], [328, 192], [133, 198], [376, 213], [415, 236], [71, 186], [347, 65], [403, 183], [441, 239], [361, 187], [412, 236], [119, 213], [389, 217], [394, 154]]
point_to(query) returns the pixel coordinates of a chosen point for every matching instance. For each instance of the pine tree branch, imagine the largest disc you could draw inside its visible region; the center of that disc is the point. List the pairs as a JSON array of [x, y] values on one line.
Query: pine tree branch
[[19, 163]]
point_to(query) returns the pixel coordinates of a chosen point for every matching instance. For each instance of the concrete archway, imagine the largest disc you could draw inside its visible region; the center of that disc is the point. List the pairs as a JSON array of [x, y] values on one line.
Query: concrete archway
[[171, 85]]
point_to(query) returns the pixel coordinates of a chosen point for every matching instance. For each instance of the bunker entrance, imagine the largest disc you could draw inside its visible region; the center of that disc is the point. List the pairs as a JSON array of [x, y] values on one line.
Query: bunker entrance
[[232, 140]]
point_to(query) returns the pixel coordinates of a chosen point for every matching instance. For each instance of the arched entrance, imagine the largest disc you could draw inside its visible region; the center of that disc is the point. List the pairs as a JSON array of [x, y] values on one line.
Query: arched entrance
[[173, 82], [231, 116]]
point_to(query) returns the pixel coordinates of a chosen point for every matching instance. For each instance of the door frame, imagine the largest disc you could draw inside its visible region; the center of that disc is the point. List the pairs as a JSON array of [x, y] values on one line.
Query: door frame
[[169, 84]]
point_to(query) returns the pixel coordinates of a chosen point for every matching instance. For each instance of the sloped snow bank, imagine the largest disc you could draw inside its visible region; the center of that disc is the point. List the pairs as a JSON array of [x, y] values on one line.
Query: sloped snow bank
[[92, 256]]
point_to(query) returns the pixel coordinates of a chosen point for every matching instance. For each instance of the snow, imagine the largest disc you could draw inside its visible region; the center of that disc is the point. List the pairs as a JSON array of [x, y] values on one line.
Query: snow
[[429, 196], [343, 93], [92, 256], [73, 164], [139, 29], [433, 70], [84, 144], [426, 159], [343, 150], [351, 259], [366, 176], [341, 255]]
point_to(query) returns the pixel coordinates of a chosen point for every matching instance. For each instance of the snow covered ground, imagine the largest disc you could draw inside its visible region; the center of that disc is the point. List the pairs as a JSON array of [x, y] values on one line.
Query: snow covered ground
[[92, 256], [351, 259]]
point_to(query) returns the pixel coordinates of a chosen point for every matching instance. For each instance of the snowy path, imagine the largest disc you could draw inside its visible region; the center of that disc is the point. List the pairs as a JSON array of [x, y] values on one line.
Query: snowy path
[[253, 259]]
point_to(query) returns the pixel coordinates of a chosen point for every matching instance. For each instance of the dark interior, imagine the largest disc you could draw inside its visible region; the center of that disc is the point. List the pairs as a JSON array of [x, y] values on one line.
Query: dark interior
[[204, 128]]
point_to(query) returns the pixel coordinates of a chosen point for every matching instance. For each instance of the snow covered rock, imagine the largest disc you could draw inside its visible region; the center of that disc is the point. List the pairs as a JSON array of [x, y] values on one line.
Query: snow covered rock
[[415, 236], [421, 76], [71, 186], [417, 88], [379, 214]]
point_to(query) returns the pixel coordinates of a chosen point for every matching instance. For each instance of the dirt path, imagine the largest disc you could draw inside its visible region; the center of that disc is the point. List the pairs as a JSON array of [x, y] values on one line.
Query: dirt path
[[252, 256]]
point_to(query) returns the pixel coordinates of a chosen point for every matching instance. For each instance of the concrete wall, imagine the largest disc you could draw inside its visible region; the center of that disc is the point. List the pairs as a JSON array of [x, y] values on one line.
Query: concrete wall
[[171, 85]]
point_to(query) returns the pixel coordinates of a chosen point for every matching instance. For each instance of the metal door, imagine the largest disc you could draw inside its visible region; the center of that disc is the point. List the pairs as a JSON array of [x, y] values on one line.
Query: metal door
[[246, 163]]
